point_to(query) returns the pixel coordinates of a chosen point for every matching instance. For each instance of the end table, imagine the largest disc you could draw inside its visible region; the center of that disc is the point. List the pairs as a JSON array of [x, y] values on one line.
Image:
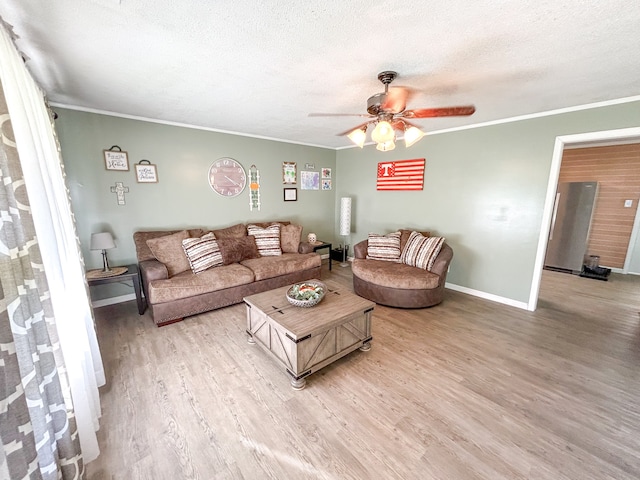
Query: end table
[[319, 246], [132, 274]]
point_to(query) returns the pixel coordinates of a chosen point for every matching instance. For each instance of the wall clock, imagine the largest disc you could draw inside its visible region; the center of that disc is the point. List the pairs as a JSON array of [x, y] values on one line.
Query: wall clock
[[227, 177]]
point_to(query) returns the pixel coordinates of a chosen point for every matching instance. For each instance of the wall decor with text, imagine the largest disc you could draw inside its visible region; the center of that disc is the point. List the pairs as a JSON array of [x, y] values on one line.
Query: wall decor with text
[[146, 172], [116, 159], [401, 175]]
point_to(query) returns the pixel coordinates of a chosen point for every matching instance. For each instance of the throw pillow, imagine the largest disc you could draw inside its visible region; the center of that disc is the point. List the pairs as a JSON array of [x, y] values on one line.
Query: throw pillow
[[203, 252], [421, 251], [235, 231], [384, 247], [404, 236], [290, 236], [267, 239], [168, 250], [234, 250]]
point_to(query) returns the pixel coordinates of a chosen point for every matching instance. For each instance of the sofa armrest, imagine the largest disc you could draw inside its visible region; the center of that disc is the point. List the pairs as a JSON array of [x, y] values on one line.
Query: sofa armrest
[[360, 249], [441, 265], [152, 270], [305, 247]]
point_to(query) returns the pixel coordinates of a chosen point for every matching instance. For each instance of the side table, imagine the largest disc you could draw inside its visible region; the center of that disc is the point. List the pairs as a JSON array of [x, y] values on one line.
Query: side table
[[320, 245], [132, 274]]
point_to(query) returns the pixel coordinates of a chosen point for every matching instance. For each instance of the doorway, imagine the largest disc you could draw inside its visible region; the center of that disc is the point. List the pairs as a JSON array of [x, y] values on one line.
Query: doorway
[[625, 135]]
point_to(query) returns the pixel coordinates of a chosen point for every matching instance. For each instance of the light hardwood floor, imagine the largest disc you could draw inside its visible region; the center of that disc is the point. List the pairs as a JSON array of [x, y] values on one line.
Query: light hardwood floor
[[470, 389]]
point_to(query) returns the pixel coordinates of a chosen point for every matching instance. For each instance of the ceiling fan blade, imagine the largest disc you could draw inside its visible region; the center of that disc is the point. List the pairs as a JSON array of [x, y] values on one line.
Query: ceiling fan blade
[[401, 123], [439, 112], [396, 99], [339, 115], [352, 129]]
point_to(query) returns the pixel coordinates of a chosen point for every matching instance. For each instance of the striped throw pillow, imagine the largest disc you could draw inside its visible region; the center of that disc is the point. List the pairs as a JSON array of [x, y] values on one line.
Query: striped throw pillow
[[384, 247], [267, 239], [421, 251], [203, 252]]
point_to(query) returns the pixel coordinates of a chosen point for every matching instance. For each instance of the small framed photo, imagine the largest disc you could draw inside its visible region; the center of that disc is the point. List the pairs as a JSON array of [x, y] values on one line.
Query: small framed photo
[[116, 160], [289, 172], [290, 194], [309, 180], [326, 184], [326, 172], [146, 172]]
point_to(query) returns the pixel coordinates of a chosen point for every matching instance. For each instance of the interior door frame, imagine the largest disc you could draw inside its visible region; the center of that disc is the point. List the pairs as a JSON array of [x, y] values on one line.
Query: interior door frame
[[623, 135]]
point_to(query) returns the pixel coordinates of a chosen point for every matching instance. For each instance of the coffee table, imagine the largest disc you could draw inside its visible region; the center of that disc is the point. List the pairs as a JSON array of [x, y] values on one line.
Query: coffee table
[[304, 340]]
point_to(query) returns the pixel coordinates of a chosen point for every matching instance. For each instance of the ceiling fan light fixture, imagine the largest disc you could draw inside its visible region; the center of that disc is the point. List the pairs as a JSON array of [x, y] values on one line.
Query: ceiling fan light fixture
[[386, 146], [358, 136], [412, 135], [383, 132]]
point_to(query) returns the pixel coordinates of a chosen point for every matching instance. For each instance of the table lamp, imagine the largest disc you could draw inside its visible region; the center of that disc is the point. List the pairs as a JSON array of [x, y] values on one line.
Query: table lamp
[[103, 241]]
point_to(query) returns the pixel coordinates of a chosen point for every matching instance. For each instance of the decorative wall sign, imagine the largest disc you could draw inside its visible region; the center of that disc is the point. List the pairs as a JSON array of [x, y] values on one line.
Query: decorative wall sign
[[116, 159], [119, 189], [326, 184], [310, 180], [254, 188], [146, 172], [289, 172], [309, 166], [401, 175], [326, 173], [227, 177], [290, 194]]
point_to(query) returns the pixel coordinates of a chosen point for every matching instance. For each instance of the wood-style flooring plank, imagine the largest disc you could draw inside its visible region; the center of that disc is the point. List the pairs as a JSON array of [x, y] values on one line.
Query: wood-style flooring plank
[[469, 389]]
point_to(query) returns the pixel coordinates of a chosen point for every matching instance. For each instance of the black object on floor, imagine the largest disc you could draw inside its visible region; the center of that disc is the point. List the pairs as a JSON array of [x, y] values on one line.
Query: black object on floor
[[598, 273]]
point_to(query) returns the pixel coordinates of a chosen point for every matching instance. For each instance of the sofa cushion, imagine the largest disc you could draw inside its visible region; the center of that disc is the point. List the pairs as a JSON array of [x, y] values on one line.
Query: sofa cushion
[[421, 251], [235, 231], [143, 252], [404, 236], [290, 236], [202, 253], [234, 250], [270, 267], [186, 284], [394, 275], [266, 224], [384, 247], [168, 250], [267, 239]]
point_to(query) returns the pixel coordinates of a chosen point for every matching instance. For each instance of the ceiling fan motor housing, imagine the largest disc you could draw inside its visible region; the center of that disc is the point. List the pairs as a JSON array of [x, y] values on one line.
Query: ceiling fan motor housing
[[375, 102]]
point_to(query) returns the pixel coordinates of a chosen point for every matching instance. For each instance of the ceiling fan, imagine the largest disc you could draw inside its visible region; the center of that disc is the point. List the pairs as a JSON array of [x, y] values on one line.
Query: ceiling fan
[[387, 114]]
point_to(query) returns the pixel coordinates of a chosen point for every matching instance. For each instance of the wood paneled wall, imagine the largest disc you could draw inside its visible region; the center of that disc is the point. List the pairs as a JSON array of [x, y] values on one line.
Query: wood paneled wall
[[616, 168]]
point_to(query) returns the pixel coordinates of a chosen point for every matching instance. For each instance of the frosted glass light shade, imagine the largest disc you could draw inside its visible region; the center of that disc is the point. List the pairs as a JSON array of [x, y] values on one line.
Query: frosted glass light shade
[[102, 241], [358, 136], [412, 135], [383, 132], [345, 216], [386, 146]]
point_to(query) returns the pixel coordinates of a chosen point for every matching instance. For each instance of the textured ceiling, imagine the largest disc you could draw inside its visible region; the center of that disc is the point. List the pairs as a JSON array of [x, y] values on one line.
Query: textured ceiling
[[259, 68]]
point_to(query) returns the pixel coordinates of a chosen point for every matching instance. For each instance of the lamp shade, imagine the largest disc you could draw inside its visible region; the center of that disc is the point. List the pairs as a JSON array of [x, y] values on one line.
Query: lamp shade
[[102, 241], [383, 132], [386, 146], [358, 136], [412, 135], [345, 216]]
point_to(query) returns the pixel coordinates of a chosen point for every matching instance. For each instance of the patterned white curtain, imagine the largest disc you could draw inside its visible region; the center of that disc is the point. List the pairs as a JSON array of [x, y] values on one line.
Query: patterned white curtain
[[52, 364]]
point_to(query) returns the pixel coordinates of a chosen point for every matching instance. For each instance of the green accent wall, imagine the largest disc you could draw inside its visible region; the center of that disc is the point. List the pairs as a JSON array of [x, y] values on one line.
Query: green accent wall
[[182, 197], [484, 188], [484, 191]]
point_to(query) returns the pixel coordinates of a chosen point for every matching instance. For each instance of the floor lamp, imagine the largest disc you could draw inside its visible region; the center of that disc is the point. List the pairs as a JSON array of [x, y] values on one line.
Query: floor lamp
[[345, 226]]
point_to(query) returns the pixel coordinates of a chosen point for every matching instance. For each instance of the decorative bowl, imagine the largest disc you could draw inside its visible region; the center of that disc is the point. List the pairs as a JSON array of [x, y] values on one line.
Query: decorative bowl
[[306, 294]]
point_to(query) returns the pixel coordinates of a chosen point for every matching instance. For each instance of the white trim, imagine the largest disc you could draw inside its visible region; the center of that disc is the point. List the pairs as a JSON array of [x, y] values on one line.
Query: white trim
[[517, 118], [113, 300], [632, 240], [487, 296], [622, 134]]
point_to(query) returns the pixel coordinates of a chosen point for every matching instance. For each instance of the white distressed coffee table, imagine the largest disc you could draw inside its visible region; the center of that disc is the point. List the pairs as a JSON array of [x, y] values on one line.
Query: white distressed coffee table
[[306, 339]]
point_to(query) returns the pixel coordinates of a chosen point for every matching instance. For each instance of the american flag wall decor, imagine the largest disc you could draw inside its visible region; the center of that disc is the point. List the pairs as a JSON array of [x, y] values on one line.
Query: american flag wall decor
[[401, 175]]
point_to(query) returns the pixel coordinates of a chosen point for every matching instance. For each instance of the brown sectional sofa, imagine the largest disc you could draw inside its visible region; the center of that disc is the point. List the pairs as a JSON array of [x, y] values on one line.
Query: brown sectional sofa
[[397, 284], [172, 297]]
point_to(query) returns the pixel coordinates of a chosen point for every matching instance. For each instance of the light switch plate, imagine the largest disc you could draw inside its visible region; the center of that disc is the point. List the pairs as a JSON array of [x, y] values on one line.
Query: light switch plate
[[628, 203]]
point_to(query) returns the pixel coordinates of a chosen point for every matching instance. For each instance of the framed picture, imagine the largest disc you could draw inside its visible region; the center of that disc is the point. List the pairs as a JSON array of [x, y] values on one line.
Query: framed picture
[[289, 172], [146, 172], [290, 194], [310, 180], [116, 160], [326, 184], [326, 173]]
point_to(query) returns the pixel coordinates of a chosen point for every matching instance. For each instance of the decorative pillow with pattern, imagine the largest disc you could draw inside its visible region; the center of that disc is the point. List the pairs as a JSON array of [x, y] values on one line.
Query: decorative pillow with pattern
[[267, 239], [421, 251], [203, 252], [384, 247]]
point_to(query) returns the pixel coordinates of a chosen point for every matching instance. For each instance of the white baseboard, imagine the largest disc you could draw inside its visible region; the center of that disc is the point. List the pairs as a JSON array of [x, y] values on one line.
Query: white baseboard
[[112, 300], [487, 296]]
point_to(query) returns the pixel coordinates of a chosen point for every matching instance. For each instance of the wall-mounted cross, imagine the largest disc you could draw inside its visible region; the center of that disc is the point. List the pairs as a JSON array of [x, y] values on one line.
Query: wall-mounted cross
[[120, 190]]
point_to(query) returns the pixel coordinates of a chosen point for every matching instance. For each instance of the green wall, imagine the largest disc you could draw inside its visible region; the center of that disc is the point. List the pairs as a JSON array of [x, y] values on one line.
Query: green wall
[[484, 191], [182, 197]]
